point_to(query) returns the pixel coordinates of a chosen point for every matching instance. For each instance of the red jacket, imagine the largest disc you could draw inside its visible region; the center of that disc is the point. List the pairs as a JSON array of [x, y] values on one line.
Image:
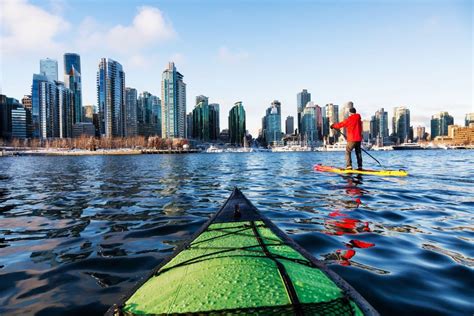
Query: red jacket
[[354, 127]]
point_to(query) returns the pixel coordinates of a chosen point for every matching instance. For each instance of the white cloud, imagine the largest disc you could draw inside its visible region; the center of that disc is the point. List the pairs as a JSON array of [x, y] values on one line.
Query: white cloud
[[227, 56], [28, 28], [149, 26]]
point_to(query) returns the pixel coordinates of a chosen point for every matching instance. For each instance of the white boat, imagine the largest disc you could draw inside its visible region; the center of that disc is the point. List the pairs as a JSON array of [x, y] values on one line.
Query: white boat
[[382, 148], [407, 146]]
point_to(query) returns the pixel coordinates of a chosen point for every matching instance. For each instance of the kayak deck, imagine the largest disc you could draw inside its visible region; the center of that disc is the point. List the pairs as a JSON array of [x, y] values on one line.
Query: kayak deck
[[242, 264], [396, 173]]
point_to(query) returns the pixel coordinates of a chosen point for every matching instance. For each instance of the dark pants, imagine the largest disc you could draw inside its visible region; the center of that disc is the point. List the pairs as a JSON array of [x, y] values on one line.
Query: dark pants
[[358, 151]]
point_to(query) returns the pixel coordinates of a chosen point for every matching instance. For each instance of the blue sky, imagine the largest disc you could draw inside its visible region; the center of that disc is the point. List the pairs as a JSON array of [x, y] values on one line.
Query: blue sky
[[375, 53]]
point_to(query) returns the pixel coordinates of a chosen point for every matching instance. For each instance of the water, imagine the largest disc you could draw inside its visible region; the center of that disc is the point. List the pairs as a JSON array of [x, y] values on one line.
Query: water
[[75, 232]]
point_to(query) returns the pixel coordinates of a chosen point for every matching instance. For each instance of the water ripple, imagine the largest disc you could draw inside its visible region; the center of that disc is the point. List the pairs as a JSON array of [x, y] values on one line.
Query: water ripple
[[75, 232]]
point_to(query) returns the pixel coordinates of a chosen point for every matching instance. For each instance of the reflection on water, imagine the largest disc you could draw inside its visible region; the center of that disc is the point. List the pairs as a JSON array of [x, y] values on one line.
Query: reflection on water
[[75, 232]]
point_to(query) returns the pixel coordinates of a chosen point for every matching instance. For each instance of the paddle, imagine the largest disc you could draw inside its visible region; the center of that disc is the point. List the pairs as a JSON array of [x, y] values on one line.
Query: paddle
[[360, 147]]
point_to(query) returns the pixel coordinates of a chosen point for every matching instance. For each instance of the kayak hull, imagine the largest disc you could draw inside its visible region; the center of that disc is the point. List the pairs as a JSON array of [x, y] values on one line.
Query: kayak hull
[[393, 173], [240, 262]]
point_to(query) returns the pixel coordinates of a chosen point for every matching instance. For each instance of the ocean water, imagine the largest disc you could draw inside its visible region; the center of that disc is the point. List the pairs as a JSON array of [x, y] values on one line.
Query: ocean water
[[76, 232]]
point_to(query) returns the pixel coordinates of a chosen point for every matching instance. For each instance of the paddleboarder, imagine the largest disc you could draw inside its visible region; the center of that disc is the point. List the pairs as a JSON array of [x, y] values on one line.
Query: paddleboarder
[[353, 124]]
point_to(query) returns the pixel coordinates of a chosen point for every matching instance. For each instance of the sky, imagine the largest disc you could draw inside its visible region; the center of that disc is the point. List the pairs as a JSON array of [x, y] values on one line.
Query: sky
[[376, 54]]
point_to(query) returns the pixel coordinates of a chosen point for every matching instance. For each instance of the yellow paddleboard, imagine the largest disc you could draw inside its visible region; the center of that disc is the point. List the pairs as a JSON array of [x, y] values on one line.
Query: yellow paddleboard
[[395, 173]]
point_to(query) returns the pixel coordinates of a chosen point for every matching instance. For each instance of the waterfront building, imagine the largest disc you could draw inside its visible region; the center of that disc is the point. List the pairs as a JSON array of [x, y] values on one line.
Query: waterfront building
[[366, 130], [83, 129], [44, 111], [15, 119], [273, 124], [72, 81], [65, 110], [311, 127], [440, 123], [461, 135], [379, 127], [205, 120], [224, 135], [302, 98], [214, 119], [20, 118], [49, 69], [332, 115], [237, 124], [420, 133], [401, 124], [26, 101], [111, 98], [131, 97], [201, 119], [289, 125], [149, 114], [88, 113], [173, 117], [469, 120], [189, 125]]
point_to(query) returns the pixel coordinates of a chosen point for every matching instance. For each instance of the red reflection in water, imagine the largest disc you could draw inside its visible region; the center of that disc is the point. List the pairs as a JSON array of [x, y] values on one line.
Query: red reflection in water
[[354, 243], [337, 213]]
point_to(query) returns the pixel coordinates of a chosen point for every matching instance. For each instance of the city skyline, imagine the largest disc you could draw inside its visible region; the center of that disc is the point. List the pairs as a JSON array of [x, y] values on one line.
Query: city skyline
[[371, 63]]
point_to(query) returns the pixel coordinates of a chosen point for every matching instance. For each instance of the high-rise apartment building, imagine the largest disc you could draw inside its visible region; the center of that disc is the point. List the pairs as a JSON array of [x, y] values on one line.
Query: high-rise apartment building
[[401, 124], [49, 69], [289, 125], [312, 122], [302, 98], [237, 126], [205, 118], [173, 96], [149, 115], [111, 98], [73, 81], [332, 115], [273, 124], [440, 123], [131, 98]]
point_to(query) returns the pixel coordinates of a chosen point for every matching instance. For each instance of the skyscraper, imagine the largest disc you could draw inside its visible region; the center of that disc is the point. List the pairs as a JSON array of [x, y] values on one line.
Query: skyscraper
[[237, 124], [440, 123], [214, 109], [64, 106], [189, 125], [173, 95], [72, 80], [49, 68], [289, 125], [332, 115], [149, 114], [273, 124], [111, 98], [44, 112], [401, 123], [205, 120], [309, 130], [379, 126], [131, 112], [302, 98]]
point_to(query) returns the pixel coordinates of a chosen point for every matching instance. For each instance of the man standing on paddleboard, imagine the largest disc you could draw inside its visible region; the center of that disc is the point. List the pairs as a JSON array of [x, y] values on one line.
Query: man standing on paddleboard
[[353, 124]]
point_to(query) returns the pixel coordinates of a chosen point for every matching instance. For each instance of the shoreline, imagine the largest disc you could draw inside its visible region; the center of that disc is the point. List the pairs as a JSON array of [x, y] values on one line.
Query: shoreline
[[100, 152]]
